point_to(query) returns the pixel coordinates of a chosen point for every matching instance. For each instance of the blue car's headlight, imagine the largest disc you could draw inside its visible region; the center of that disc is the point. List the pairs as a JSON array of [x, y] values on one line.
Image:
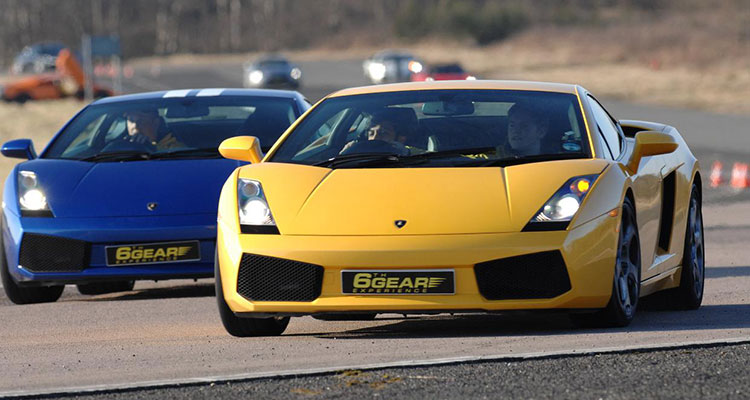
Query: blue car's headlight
[[562, 206], [254, 212], [31, 197]]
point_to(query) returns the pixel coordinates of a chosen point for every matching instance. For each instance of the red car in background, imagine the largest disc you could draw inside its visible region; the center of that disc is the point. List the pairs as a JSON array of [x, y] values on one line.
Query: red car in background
[[443, 72]]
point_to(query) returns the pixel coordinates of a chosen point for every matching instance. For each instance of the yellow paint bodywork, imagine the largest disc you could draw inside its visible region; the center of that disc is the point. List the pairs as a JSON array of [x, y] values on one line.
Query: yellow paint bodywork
[[457, 217]]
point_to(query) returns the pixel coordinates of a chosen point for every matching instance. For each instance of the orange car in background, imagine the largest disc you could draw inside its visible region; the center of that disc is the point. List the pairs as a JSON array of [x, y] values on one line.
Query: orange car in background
[[66, 81]]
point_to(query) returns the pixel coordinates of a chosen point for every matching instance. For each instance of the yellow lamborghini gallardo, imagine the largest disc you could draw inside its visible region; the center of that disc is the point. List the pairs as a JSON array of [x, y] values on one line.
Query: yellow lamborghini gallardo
[[463, 196]]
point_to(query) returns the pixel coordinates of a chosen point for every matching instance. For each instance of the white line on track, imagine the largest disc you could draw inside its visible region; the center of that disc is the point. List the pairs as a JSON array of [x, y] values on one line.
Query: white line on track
[[396, 364]]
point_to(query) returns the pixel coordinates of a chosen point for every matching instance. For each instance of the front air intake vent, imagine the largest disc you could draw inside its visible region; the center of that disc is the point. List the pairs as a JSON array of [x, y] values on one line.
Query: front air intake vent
[[532, 276], [44, 253], [263, 278]]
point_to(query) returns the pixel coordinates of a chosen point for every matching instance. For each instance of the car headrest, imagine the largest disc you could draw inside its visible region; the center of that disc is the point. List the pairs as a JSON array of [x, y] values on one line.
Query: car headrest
[[404, 118]]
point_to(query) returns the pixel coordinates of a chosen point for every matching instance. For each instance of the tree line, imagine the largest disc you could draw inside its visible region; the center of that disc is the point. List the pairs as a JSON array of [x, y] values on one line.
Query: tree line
[[161, 27]]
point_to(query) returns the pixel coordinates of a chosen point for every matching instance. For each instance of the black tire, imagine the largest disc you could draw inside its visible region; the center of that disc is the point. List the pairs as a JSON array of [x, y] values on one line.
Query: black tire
[[689, 295], [105, 287], [245, 327], [25, 295], [22, 98], [346, 316], [626, 285]]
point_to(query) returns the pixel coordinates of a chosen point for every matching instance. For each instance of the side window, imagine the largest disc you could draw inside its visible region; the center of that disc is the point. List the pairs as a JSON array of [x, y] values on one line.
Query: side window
[[606, 127]]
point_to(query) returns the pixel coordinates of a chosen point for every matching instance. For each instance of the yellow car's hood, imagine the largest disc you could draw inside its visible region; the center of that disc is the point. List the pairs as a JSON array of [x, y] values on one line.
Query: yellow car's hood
[[307, 200]]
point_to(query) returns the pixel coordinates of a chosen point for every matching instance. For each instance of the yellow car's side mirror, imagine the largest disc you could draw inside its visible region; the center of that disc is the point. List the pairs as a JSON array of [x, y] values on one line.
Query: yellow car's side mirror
[[243, 148], [650, 143]]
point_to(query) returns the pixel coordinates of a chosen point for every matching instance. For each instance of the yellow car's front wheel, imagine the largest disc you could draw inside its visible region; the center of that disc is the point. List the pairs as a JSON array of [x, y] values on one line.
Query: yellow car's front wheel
[[245, 327], [627, 277]]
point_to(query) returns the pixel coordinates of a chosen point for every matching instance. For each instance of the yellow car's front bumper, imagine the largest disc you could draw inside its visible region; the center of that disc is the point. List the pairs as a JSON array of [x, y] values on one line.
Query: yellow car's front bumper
[[589, 253]]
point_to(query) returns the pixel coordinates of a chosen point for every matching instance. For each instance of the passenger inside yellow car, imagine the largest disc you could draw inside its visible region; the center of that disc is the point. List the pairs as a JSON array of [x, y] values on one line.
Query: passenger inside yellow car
[[147, 127], [527, 127]]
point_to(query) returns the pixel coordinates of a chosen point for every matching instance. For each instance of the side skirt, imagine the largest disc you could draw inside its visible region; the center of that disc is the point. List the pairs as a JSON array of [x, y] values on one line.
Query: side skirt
[[665, 280]]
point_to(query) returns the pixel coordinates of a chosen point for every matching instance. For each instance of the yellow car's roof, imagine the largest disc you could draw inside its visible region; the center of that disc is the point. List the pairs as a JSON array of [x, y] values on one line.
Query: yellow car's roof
[[470, 84]]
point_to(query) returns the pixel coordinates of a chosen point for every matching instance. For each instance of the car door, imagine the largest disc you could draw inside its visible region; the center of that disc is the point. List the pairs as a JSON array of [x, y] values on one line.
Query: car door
[[647, 185]]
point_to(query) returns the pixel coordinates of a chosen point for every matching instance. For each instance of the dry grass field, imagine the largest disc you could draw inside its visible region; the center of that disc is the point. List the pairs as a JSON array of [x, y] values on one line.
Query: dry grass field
[[38, 121]]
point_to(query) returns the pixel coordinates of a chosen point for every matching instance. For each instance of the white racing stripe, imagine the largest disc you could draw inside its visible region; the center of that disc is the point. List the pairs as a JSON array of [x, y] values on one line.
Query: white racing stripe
[[395, 364], [177, 93], [209, 92]]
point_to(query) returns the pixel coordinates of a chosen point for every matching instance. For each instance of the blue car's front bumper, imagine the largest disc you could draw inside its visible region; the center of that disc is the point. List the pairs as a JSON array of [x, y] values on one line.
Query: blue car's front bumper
[[94, 234]]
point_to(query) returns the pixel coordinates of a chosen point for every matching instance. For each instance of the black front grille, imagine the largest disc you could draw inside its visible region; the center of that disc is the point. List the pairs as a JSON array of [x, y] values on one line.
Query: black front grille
[[262, 278], [43, 253], [532, 276]]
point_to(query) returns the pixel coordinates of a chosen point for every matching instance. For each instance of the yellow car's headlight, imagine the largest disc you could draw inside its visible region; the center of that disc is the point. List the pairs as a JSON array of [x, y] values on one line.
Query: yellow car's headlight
[[254, 212], [562, 206]]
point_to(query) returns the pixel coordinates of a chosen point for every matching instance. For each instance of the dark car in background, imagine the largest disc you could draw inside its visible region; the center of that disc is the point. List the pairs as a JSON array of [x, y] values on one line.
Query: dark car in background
[[390, 66], [443, 72], [272, 71], [37, 58]]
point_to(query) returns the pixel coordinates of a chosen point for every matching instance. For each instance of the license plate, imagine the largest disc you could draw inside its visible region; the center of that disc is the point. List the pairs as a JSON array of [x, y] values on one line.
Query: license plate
[[398, 282], [152, 253]]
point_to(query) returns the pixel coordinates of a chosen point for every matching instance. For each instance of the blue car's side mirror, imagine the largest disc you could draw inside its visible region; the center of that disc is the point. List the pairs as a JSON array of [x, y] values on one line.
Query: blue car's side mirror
[[19, 148]]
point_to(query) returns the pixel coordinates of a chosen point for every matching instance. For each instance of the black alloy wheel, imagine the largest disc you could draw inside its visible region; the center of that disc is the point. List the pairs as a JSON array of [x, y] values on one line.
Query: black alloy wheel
[[25, 295], [689, 295], [626, 286]]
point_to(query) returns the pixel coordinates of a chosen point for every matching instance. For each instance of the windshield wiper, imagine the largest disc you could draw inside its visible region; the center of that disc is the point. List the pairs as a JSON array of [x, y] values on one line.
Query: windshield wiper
[[207, 152], [118, 156], [515, 160], [360, 159]]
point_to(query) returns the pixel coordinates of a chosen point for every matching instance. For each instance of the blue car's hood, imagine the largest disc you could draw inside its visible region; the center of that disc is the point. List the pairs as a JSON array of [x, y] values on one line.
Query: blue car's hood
[[119, 189]]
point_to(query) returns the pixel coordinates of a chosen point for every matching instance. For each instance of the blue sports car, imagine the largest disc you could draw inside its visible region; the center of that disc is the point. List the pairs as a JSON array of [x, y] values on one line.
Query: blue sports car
[[128, 190]]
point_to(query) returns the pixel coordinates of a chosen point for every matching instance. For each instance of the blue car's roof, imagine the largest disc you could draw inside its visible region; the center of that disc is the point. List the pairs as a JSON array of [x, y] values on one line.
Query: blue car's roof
[[290, 94]]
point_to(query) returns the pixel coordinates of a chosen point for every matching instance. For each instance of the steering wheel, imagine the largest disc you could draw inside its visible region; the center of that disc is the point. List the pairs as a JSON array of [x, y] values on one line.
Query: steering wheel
[[126, 145], [375, 146]]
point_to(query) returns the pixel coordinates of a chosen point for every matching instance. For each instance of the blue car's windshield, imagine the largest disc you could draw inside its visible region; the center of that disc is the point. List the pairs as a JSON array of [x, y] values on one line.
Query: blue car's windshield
[[180, 127], [438, 128]]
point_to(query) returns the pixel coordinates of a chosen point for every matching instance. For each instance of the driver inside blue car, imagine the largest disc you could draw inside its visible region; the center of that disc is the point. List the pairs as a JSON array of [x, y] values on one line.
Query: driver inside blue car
[[384, 131], [147, 127]]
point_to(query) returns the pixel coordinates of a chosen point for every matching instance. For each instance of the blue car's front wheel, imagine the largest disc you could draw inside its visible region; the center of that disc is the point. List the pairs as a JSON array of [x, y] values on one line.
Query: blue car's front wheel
[[25, 295]]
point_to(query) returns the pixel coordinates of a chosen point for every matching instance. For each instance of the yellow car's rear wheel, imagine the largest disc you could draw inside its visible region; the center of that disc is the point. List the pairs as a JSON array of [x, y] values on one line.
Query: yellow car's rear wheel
[[245, 327], [689, 294]]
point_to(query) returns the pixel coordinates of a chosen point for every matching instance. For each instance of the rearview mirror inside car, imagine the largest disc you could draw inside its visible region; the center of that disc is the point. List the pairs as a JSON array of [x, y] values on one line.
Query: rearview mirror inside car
[[650, 143], [243, 148], [452, 107]]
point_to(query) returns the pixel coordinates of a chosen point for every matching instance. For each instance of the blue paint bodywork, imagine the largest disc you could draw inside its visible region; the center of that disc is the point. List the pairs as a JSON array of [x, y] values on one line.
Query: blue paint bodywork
[[105, 203]]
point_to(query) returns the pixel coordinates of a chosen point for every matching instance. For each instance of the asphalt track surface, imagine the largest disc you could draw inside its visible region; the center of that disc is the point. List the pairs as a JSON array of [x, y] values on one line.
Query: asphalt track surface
[[169, 333]]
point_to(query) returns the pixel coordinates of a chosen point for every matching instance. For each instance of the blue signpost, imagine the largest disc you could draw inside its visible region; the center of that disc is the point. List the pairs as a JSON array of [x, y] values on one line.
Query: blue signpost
[[101, 47]]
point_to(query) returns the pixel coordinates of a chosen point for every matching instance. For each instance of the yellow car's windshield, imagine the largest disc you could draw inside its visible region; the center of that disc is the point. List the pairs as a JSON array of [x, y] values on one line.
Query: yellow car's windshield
[[434, 128]]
